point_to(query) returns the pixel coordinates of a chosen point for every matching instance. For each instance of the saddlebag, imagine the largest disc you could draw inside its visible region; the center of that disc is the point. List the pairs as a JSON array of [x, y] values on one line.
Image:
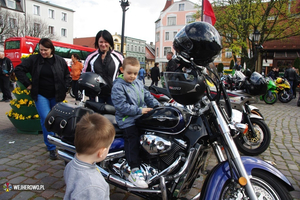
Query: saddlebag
[[63, 117]]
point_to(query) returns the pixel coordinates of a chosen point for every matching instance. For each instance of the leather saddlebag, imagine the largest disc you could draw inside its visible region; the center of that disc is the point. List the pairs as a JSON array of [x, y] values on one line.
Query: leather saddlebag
[[63, 117]]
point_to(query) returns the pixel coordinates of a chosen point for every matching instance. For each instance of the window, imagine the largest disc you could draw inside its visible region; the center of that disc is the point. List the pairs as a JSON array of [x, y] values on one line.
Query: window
[[135, 48], [1, 21], [36, 28], [166, 50], [11, 4], [157, 25], [171, 21], [228, 53], [174, 34], [127, 48], [167, 36], [51, 30], [156, 37], [36, 10], [51, 14], [64, 17], [139, 49], [156, 51], [181, 7], [131, 48], [189, 19], [64, 32], [12, 23]]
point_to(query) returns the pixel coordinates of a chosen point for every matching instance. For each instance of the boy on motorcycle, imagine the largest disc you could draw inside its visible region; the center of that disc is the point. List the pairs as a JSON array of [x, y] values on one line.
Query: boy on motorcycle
[[131, 100]]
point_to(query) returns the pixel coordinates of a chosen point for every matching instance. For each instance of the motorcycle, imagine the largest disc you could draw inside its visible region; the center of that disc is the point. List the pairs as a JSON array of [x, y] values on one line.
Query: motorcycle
[[258, 137], [284, 90], [271, 96], [182, 137]]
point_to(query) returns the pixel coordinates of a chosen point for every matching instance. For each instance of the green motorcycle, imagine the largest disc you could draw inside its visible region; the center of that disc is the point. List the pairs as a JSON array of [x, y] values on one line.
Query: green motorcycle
[[271, 95]]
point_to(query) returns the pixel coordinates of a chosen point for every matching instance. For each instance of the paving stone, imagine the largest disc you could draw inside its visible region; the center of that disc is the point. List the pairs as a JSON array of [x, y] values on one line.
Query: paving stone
[[24, 195], [17, 180]]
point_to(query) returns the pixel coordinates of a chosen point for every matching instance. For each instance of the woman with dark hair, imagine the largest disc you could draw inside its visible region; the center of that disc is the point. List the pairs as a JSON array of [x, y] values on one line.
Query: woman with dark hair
[[106, 62], [75, 74], [49, 84]]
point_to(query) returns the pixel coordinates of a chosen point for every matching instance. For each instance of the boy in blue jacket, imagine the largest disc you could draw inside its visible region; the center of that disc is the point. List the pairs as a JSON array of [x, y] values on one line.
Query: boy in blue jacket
[[131, 100]]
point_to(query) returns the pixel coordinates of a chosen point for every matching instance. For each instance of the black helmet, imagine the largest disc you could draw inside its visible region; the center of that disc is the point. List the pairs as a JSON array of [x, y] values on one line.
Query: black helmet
[[185, 88], [258, 84], [198, 40], [91, 83]]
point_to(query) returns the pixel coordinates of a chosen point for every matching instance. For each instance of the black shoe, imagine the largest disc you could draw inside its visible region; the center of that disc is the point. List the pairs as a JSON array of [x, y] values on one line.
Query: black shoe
[[8, 100], [53, 155], [2, 100]]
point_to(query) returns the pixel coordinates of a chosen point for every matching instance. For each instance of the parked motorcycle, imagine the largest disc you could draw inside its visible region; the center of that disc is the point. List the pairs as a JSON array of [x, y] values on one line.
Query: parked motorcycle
[[258, 137], [271, 95], [284, 90], [181, 138]]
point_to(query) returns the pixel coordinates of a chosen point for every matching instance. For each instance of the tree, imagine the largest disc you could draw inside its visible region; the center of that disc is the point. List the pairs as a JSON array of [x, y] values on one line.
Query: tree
[[231, 64], [297, 63], [220, 67], [14, 24], [238, 19]]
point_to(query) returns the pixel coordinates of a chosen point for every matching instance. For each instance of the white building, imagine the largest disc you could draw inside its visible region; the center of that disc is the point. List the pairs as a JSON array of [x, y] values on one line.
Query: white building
[[58, 20]]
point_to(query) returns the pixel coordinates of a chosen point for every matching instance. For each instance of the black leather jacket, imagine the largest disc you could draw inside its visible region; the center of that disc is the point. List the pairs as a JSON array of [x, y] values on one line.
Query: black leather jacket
[[290, 74], [33, 65]]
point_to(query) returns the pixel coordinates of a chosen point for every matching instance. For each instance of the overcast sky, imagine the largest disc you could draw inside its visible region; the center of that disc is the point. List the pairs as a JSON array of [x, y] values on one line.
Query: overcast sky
[[93, 15]]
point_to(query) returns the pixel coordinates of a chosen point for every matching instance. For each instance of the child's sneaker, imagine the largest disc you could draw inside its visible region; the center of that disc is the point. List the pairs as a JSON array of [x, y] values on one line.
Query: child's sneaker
[[137, 178]]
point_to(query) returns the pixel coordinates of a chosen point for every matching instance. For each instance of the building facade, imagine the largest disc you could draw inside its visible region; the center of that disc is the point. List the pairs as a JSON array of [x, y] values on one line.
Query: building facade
[[21, 17], [173, 17], [150, 56], [136, 48]]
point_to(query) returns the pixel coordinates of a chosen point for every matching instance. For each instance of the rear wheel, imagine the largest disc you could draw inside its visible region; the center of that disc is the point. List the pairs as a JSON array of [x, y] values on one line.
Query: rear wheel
[[265, 185], [252, 146], [270, 99], [285, 96]]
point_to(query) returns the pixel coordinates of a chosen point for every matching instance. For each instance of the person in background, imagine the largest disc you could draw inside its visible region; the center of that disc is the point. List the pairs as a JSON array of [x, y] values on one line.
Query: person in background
[[6, 68], [273, 73], [75, 73], [93, 136], [131, 101], [155, 74], [106, 62], [50, 82], [291, 76], [295, 83], [172, 65], [142, 74]]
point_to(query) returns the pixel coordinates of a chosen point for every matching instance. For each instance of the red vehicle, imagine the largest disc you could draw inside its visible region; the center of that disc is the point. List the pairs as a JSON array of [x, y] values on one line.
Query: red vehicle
[[16, 47]]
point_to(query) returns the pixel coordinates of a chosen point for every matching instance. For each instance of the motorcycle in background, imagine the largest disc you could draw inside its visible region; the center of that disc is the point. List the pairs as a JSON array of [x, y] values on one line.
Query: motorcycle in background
[[284, 90], [271, 95]]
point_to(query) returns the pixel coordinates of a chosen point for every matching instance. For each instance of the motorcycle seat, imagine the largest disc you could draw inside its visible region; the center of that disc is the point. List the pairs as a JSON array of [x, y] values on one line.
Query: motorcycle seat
[[112, 119]]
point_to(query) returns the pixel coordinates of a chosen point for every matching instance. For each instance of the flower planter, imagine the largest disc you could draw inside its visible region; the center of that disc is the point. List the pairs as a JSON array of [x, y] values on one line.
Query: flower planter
[[28, 126], [25, 110], [22, 96]]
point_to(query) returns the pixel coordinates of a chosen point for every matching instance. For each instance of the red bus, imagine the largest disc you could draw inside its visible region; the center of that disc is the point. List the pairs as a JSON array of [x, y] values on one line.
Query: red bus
[[16, 47]]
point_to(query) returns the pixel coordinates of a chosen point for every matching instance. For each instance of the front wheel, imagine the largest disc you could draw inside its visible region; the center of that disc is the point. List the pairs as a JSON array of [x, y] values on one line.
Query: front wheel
[[270, 98], [265, 185], [285, 96], [253, 146]]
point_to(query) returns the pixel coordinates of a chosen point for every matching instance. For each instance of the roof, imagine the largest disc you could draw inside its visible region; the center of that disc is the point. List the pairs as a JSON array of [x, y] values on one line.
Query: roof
[[51, 4], [86, 41], [291, 43]]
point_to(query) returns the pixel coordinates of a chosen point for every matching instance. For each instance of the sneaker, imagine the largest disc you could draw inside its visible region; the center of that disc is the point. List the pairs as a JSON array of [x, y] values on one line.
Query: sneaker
[[52, 154], [137, 178]]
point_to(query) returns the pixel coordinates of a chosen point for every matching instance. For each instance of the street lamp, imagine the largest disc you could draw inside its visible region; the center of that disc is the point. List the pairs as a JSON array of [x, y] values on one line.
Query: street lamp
[[124, 4], [255, 42]]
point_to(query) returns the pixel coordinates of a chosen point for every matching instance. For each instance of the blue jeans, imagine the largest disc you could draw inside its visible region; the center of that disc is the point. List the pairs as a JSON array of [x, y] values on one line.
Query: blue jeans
[[43, 106], [291, 85]]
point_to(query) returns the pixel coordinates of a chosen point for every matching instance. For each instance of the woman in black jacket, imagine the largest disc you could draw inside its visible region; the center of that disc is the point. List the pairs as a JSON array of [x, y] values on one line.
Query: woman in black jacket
[[49, 84]]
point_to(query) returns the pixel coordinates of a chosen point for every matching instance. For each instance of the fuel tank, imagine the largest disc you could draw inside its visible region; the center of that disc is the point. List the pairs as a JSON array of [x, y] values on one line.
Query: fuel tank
[[168, 120]]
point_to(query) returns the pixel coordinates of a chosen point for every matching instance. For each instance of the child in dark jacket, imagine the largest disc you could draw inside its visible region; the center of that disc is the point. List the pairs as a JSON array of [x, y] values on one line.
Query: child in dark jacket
[[131, 100]]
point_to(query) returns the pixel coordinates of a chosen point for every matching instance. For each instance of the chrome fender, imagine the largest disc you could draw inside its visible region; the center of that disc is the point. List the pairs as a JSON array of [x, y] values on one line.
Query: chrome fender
[[220, 174], [251, 116]]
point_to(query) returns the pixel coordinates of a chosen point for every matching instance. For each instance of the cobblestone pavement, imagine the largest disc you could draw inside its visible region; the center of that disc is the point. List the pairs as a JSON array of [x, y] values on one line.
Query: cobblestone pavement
[[24, 160]]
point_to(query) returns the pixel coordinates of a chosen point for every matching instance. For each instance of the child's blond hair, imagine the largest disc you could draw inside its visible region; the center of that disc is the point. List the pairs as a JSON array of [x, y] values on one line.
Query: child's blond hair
[[131, 61]]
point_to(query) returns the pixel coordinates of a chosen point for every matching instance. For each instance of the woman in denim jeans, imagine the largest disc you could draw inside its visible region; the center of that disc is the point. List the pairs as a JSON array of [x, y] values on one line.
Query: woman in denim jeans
[[49, 84]]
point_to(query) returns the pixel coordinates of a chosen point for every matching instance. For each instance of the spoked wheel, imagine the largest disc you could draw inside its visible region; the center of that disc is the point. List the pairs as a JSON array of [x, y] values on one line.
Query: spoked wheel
[[285, 96], [270, 99], [252, 146], [265, 185]]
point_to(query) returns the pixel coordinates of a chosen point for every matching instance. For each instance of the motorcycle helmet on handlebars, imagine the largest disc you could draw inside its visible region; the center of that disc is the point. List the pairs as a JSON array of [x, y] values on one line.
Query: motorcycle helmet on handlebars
[[91, 83], [198, 40], [185, 88], [258, 84]]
